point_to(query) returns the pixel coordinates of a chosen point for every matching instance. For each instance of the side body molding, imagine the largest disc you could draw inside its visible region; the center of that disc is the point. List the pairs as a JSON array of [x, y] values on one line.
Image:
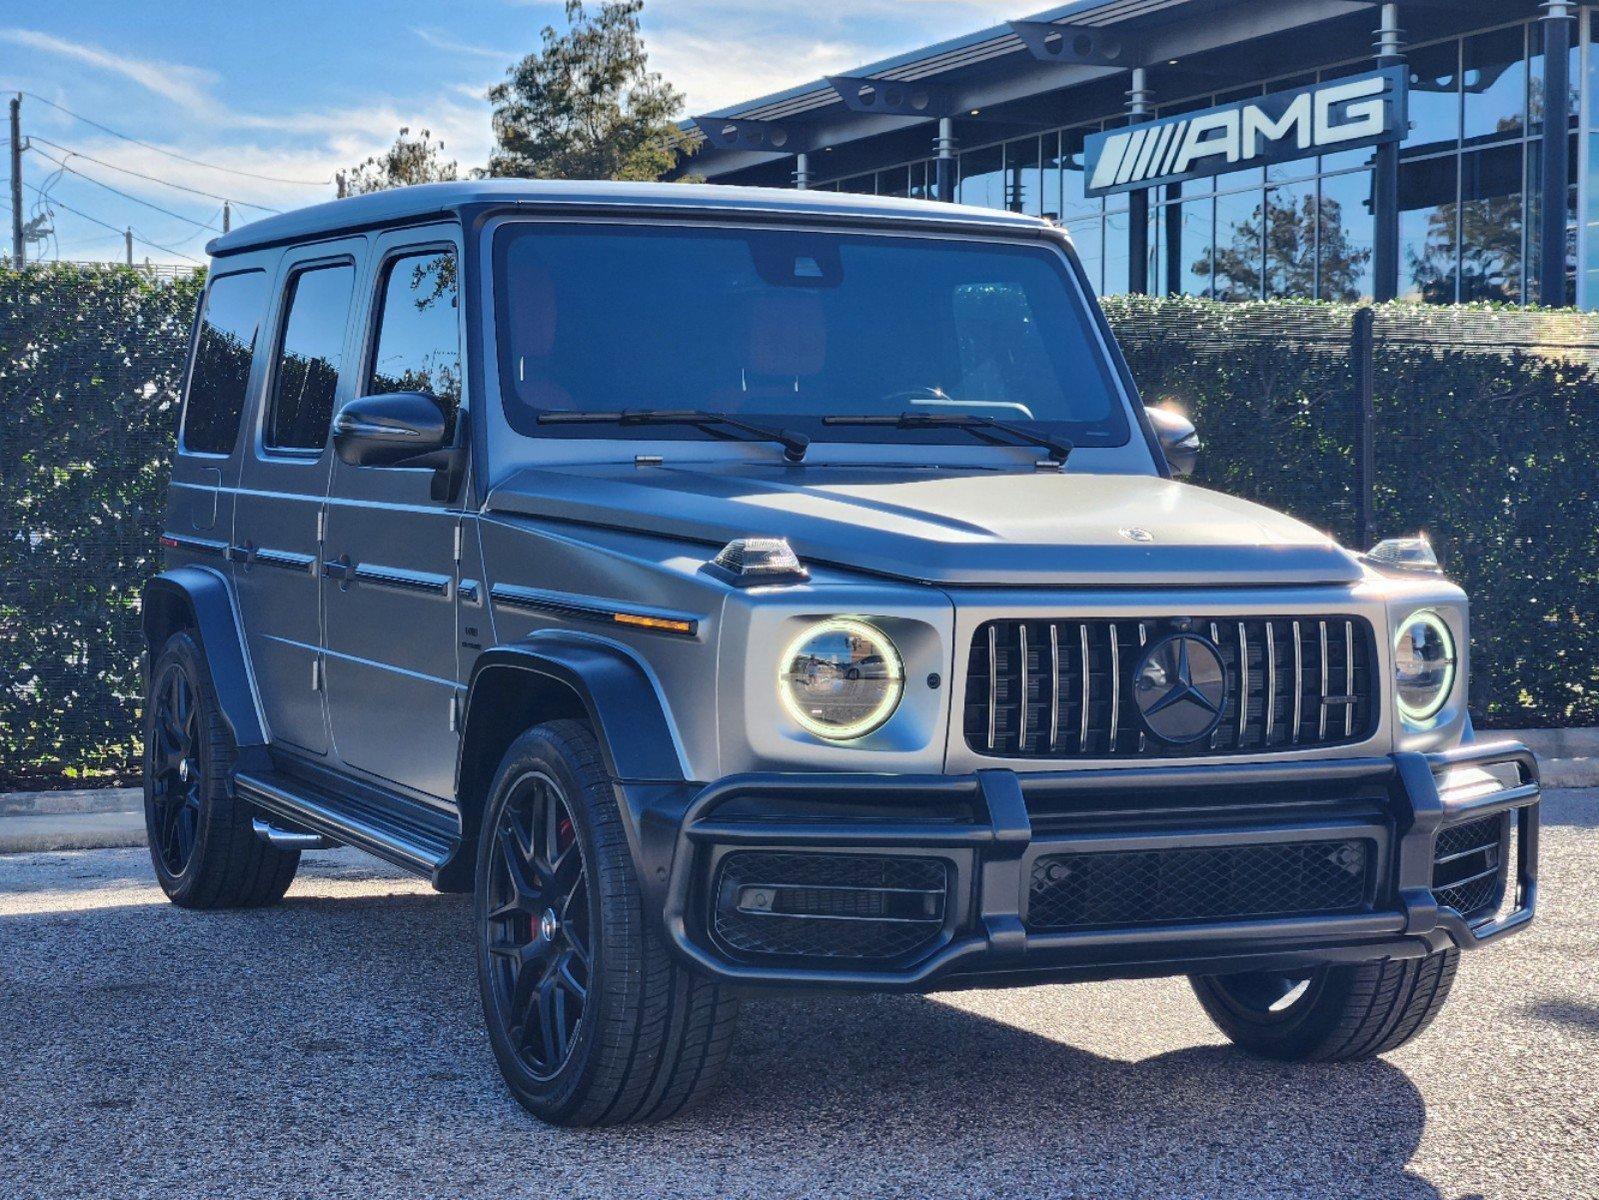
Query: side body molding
[[200, 599], [557, 674]]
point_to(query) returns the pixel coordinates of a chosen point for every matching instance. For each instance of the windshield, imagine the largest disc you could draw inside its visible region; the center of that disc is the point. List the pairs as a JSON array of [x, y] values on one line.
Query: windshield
[[786, 327]]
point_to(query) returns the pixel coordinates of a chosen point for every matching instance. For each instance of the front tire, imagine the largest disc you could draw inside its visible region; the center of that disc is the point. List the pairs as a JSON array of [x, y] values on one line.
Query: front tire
[[591, 1020], [1331, 1014], [205, 852]]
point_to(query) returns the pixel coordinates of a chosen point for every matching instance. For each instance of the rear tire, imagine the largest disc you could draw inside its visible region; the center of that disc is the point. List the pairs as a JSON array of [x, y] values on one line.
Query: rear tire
[[1340, 1014], [590, 1018], [205, 852]]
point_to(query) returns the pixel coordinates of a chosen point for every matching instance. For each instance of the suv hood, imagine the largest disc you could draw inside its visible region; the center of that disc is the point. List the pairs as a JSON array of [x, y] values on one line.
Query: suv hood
[[952, 527]]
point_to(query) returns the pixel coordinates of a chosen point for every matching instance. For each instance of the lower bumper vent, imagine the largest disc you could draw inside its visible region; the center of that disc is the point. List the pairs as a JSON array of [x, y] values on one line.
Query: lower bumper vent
[[1467, 866], [1213, 883], [854, 906]]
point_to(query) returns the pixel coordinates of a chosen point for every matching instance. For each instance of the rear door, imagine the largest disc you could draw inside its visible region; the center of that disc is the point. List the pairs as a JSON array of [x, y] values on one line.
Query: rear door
[[276, 536], [390, 595]]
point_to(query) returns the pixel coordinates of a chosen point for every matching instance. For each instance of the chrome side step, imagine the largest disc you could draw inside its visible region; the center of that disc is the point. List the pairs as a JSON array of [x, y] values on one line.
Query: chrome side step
[[391, 827], [288, 839]]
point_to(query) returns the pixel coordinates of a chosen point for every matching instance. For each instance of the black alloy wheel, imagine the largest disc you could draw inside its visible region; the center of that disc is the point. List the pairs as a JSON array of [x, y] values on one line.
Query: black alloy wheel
[[176, 778], [539, 922]]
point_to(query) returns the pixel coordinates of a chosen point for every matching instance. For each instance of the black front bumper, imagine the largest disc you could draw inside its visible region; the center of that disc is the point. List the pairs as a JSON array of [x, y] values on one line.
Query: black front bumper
[[992, 829]]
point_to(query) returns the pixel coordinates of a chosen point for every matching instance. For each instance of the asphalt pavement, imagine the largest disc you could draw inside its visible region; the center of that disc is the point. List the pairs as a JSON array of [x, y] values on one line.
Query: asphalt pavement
[[331, 1047]]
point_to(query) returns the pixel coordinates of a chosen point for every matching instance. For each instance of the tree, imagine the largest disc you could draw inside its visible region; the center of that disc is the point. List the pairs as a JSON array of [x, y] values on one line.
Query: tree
[[585, 105], [1291, 236], [417, 159]]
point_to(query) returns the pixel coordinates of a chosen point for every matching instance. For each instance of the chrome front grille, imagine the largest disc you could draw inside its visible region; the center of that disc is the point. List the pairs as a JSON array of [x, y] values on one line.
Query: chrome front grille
[[1065, 688]]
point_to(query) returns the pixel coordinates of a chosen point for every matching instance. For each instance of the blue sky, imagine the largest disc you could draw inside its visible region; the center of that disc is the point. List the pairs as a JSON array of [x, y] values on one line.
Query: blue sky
[[296, 89]]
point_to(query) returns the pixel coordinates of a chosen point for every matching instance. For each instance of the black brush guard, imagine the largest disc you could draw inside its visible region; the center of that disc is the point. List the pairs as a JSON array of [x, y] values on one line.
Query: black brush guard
[[994, 827]]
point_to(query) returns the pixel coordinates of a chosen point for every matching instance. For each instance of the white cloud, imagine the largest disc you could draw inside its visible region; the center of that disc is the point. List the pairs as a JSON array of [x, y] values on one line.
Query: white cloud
[[448, 44], [180, 84]]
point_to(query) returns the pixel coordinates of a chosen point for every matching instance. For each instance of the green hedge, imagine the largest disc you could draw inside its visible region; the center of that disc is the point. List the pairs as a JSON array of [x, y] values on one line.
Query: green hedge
[[1485, 436], [89, 366]]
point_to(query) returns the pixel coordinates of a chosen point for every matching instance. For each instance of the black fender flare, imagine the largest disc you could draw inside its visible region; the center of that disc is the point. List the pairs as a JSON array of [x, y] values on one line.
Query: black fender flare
[[572, 674], [201, 600]]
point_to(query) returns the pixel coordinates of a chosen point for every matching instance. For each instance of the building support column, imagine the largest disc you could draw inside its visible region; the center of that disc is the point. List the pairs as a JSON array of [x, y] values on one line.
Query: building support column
[[1556, 166], [802, 171], [1139, 110], [944, 165], [1385, 175]]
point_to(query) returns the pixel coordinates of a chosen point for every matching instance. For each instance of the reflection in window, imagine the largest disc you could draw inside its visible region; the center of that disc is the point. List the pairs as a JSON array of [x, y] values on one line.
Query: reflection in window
[[1434, 97], [864, 185], [1495, 83], [1427, 246], [1345, 237], [1491, 224], [1089, 239], [896, 181], [982, 178], [1536, 103], [419, 341], [1239, 245], [921, 185], [1117, 265], [1193, 237], [222, 359], [1021, 177], [1291, 240], [1074, 206], [308, 363]]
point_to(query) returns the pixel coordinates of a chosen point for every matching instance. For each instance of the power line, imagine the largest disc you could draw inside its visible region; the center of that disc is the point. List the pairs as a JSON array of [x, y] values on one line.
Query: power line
[[138, 237], [173, 153], [100, 162], [119, 192]]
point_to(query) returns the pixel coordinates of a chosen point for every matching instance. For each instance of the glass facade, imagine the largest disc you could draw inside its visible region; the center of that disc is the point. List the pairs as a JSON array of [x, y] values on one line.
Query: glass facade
[[1468, 191]]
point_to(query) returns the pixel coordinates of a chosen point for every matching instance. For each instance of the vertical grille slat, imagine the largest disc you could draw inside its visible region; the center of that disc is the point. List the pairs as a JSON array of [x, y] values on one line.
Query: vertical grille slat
[[1091, 706]]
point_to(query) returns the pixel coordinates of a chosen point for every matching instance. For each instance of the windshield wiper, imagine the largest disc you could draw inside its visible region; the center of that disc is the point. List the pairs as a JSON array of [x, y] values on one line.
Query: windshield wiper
[[794, 444], [1059, 448]]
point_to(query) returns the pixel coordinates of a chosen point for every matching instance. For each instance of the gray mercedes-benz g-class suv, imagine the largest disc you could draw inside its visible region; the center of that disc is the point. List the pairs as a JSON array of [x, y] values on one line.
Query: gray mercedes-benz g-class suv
[[741, 587]]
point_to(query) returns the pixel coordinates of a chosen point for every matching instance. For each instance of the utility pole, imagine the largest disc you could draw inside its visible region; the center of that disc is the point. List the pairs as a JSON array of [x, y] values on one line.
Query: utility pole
[[227, 215], [16, 182], [127, 239]]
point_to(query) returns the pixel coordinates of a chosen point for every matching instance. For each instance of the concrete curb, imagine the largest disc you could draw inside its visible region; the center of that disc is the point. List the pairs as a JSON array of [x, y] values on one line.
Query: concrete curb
[[70, 831]]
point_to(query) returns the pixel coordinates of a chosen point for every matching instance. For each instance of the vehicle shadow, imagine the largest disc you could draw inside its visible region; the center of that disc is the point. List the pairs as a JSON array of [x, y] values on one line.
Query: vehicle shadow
[[921, 1081]]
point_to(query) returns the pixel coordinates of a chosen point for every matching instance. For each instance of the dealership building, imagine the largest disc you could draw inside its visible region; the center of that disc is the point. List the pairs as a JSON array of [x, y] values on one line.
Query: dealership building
[[1240, 149]]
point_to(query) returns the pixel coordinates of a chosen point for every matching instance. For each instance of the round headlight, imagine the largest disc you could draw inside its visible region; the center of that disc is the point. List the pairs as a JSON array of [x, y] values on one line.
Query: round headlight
[[841, 679], [1424, 666]]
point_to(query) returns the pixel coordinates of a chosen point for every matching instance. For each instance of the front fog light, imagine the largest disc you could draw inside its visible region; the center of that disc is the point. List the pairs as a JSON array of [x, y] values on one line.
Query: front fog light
[[1424, 666], [841, 679]]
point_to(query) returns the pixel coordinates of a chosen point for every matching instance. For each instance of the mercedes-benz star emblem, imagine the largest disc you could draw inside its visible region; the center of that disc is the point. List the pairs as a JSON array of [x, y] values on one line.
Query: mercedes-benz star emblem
[[1181, 688]]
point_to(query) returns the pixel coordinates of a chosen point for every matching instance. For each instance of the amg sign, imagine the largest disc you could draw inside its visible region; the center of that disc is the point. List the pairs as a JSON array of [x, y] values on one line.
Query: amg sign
[[1340, 114]]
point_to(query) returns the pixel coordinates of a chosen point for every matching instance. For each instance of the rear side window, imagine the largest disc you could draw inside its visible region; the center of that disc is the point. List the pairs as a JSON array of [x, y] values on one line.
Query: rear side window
[[419, 334], [229, 324], [306, 371]]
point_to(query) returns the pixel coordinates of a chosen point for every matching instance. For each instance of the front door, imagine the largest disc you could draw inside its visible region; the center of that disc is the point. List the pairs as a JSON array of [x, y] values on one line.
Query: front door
[[389, 590], [282, 484]]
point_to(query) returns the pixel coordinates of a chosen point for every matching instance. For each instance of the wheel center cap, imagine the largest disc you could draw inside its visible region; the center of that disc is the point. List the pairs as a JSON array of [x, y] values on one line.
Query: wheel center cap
[[549, 925]]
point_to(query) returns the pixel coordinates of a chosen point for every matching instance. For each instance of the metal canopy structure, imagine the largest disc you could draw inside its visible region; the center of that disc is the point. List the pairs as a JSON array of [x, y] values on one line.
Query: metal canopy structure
[[1067, 46]]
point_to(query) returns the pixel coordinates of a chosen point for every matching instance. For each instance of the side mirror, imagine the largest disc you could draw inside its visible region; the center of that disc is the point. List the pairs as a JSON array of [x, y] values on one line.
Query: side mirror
[[1179, 440], [388, 430], [404, 429]]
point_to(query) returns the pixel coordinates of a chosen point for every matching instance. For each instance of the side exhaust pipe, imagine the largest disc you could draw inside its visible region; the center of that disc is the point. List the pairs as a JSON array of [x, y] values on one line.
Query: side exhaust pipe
[[287, 839]]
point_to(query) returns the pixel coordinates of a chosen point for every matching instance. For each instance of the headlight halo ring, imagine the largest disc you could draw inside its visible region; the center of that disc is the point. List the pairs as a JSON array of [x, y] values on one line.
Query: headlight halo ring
[[1440, 691], [892, 677]]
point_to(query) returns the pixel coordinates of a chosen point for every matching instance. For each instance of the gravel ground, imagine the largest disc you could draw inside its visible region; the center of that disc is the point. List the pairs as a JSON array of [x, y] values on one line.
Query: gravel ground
[[330, 1047]]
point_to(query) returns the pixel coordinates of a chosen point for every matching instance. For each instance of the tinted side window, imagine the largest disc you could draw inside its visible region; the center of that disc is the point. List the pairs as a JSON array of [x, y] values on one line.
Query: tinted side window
[[306, 372], [419, 340], [222, 358]]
